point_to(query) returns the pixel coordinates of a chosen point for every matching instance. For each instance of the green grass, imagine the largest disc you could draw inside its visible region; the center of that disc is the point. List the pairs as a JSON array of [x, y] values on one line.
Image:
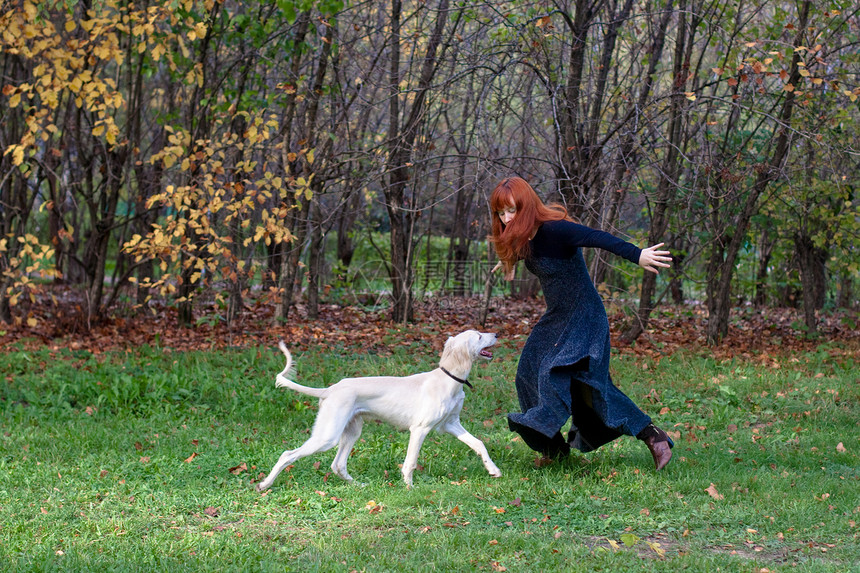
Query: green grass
[[98, 470]]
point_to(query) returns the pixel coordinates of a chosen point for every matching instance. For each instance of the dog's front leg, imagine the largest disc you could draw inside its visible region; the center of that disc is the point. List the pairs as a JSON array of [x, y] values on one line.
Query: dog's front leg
[[455, 428], [417, 434]]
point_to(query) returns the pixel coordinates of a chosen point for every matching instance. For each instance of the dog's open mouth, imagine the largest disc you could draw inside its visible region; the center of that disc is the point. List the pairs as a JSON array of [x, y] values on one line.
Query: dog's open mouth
[[486, 353]]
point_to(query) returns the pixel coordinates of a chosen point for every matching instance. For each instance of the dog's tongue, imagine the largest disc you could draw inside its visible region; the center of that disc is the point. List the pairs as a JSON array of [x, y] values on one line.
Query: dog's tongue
[[486, 353]]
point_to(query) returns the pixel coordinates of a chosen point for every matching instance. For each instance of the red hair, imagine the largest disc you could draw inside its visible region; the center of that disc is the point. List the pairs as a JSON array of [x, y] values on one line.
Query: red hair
[[512, 241]]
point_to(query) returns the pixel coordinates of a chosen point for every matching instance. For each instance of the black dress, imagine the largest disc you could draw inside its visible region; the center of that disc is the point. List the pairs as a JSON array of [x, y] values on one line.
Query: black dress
[[563, 371]]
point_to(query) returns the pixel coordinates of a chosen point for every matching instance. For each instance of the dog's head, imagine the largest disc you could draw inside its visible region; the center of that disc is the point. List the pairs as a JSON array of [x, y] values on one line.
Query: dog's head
[[467, 346]]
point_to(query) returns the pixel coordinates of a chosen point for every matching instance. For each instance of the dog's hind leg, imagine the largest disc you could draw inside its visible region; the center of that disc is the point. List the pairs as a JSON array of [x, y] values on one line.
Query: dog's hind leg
[[325, 435], [351, 433], [455, 428], [312, 446]]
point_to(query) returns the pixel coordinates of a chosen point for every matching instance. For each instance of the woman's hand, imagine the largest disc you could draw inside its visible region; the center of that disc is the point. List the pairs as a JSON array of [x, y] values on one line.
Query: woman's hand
[[651, 258], [507, 276]]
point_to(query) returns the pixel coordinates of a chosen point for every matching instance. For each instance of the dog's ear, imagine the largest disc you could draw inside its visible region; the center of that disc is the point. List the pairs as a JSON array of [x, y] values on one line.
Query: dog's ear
[[455, 354]]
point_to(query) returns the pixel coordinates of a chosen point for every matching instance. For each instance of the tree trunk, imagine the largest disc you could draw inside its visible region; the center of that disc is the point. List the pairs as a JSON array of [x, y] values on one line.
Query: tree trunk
[[813, 278], [670, 171], [400, 199], [719, 299], [316, 258], [766, 246]]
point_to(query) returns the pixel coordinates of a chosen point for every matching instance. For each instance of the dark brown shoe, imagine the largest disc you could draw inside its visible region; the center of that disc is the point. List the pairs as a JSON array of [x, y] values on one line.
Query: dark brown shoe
[[659, 444], [661, 452]]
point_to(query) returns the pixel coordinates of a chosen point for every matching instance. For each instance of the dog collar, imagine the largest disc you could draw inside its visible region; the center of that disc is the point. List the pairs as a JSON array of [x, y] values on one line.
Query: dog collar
[[460, 380]]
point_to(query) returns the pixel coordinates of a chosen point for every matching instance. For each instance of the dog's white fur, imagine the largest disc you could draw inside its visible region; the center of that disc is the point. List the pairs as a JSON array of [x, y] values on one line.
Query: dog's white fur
[[418, 403]]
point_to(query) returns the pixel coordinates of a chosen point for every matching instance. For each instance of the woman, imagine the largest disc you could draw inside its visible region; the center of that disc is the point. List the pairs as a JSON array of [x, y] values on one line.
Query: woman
[[564, 367]]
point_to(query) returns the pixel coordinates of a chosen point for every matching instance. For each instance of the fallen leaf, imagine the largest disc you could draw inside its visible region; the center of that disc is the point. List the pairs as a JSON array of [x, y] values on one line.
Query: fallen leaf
[[656, 548], [840, 448], [516, 503], [211, 511], [712, 491], [236, 470], [144, 459], [190, 458], [373, 507]]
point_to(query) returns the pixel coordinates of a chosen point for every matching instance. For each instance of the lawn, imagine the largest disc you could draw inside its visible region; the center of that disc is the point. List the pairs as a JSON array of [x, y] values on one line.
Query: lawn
[[145, 460]]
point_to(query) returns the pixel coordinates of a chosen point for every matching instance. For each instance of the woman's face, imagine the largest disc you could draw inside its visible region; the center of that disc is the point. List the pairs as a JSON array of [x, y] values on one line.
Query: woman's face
[[507, 214]]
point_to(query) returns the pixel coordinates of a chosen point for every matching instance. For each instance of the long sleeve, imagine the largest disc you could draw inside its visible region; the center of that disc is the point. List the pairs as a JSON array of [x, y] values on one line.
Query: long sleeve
[[560, 239]]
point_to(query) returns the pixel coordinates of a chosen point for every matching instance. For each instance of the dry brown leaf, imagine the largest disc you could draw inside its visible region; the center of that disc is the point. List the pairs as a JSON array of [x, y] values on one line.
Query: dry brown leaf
[[236, 470], [712, 491], [190, 458]]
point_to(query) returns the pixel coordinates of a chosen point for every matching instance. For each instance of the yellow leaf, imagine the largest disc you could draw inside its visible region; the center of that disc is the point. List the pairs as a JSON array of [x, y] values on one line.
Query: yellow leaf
[[18, 154], [157, 52], [99, 130], [15, 100], [70, 25], [691, 96]]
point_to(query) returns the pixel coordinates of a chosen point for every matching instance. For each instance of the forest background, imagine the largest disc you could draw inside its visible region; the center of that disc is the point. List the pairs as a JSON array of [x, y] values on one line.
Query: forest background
[[218, 157]]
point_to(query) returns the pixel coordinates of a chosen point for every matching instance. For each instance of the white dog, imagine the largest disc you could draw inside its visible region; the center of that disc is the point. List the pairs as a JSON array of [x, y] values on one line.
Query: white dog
[[418, 403]]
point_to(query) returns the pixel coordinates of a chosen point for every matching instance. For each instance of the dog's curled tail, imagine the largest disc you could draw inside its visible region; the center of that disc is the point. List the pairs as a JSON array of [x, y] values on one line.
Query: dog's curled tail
[[282, 380]]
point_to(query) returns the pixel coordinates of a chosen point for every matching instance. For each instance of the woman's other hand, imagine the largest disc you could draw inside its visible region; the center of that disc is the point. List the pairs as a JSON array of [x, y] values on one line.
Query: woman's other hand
[[507, 276], [651, 258]]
